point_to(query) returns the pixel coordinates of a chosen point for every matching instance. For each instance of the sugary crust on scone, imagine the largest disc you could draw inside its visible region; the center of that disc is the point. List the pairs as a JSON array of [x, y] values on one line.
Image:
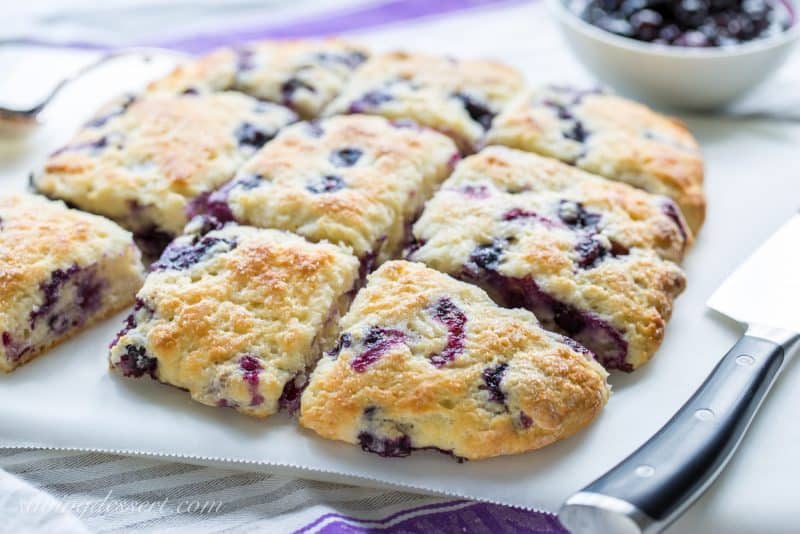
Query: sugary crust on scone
[[353, 180], [141, 161], [610, 136], [510, 388], [304, 75], [528, 224], [457, 97], [236, 315], [60, 270]]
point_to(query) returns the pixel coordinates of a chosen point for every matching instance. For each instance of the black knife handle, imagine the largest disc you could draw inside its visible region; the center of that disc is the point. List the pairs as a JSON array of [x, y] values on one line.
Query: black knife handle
[[654, 484]]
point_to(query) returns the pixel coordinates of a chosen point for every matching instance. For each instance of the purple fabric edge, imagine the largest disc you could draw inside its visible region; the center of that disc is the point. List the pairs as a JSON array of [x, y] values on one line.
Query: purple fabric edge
[[431, 506], [335, 22], [488, 517]]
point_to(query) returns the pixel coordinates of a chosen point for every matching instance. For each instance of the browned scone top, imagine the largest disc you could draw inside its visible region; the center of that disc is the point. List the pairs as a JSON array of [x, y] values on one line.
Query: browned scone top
[[426, 361]]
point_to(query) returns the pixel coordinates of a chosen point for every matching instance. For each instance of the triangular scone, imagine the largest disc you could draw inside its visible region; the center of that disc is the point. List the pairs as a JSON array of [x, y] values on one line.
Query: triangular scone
[[427, 362], [237, 316], [592, 258]]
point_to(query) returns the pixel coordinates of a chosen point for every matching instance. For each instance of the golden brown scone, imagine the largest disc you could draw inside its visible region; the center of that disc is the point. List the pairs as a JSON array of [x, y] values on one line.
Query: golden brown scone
[[457, 97], [60, 271], [610, 136], [353, 180], [236, 315], [590, 257], [426, 361], [303, 75], [141, 161]]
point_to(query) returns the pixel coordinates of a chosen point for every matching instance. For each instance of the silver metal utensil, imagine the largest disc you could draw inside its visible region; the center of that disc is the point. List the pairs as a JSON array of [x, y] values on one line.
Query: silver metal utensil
[[654, 485], [29, 115]]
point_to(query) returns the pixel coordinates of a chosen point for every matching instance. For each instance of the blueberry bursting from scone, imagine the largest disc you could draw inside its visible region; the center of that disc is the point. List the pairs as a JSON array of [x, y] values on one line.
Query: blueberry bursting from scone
[[593, 259], [237, 315], [427, 362], [142, 161], [356, 180], [60, 271]]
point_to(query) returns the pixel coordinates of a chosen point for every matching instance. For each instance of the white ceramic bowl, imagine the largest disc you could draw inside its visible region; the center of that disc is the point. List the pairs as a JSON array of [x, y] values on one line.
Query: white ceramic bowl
[[671, 76]]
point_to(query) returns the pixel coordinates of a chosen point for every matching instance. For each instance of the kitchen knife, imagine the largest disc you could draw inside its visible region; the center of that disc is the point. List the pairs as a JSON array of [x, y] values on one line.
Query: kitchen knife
[[654, 485]]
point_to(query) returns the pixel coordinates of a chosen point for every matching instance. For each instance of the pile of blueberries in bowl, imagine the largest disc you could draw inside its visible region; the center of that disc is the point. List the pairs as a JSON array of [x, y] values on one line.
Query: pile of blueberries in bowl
[[696, 23], [681, 54]]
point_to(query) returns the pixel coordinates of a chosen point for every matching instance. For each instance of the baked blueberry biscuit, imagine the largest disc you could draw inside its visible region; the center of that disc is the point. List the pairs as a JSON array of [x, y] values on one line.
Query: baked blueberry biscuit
[[303, 75], [60, 271], [610, 136], [459, 98], [236, 315], [590, 257], [427, 362], [353, 180], [140, 161]]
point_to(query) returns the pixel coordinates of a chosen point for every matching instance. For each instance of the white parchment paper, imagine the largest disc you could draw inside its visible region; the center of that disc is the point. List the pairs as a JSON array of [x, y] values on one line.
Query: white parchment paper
[[68, 398]]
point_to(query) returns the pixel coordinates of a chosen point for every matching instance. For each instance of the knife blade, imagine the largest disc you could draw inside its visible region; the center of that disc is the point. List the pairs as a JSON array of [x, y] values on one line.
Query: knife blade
[[651, 488]]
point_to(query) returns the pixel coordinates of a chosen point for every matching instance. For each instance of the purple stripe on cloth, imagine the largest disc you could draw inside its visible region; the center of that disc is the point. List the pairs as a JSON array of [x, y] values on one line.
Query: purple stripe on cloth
[[476, 517], [323, 517], [361, 17]]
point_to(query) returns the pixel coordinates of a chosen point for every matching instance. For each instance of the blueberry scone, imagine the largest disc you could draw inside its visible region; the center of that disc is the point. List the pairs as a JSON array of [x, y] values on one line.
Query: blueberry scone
[[459, 98], [593, 259], [60, 271], [353, 180], [303, 74], [141, 161], [236, 315], [610, 136], [427, 362]]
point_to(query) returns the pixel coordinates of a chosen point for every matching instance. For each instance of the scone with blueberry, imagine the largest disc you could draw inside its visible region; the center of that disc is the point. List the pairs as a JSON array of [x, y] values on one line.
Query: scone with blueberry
[[60, 271], [593, 259], [616, 138], [141, 161], [458, 97], [427, 362], [236, 315], [303, 75], [355, 180]]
